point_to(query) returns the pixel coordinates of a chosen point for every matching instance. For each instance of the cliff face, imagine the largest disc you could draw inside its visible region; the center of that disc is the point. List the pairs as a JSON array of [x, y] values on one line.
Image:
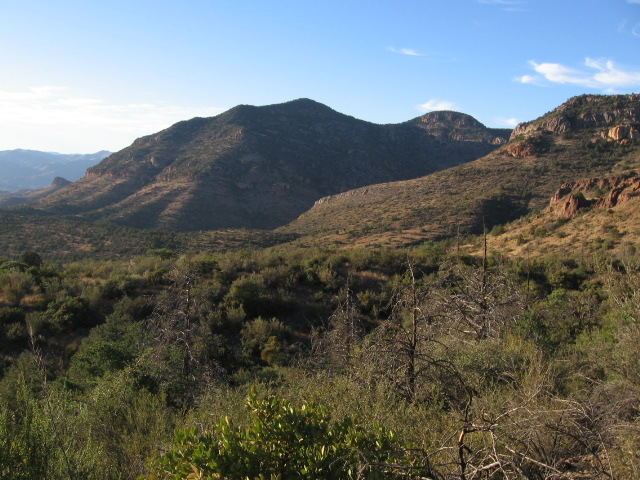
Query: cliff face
[[260, 167], [587, 112], [598, 193], [596, 118]]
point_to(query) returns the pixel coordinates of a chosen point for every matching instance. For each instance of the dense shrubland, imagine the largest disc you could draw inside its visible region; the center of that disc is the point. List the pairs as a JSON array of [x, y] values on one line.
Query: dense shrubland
[[319, 363]]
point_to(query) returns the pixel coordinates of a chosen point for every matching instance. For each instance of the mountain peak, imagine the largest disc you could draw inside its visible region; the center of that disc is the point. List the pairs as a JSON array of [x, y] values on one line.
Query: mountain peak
[[585, 112], [450, 118], [447, 124], [59, 182], [261, 166], [300, 106]]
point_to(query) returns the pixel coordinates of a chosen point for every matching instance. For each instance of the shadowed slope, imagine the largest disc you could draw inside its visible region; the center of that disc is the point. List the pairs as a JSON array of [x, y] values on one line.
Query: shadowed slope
[[261, 167]]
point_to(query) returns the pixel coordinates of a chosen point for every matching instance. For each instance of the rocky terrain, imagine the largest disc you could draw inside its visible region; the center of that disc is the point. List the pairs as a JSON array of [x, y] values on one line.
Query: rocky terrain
[[603, 193], [586, 136], [261, 167]]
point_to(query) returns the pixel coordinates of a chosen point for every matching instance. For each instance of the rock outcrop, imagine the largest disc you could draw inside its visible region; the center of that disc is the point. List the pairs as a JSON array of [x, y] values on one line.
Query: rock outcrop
[[606, 112], [521, 149], [624, 132], [566, 202], [603, 193], [460, 127], [557, 125]]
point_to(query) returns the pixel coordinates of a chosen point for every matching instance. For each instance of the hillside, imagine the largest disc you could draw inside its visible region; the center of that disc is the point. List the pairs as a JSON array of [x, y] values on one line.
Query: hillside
[[67, 239], [587, 136], [261, 167], [584, 217]]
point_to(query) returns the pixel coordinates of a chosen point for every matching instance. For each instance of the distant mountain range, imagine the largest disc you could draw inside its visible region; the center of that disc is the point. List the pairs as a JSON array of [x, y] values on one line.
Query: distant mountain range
[[31, 169], [261, 167]]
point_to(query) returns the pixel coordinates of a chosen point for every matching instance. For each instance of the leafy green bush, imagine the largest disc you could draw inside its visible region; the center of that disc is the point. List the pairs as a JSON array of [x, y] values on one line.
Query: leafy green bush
[[283, 442], [68, 314]]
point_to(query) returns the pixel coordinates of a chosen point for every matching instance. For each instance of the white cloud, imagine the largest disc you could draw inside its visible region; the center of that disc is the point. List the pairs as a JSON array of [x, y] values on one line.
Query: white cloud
[[405, 51], [530, 79], [557, 73], [611, 76], [507, 122], [436, 104], [601, 74], [56, 118], [633, 1]]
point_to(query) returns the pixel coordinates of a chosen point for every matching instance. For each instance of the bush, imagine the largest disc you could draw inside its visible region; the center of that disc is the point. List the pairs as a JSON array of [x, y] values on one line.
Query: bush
[[283, 442], [31, 259], [15, 285], [68, 314]]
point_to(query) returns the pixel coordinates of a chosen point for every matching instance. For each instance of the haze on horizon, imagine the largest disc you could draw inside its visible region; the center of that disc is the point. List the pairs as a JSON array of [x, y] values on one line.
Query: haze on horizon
[[87, 76]]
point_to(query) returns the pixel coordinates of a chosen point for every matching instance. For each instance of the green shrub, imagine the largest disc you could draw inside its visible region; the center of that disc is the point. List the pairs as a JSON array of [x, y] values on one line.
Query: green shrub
[[283, 442], [68, 314], [15, 285]]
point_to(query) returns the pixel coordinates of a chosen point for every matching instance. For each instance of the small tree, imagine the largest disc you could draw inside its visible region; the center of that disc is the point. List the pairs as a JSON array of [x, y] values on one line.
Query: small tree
[[31, 259]]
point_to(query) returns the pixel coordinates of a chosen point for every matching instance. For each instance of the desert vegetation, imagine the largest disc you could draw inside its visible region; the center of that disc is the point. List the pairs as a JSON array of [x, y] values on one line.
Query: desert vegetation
[[320, 363]]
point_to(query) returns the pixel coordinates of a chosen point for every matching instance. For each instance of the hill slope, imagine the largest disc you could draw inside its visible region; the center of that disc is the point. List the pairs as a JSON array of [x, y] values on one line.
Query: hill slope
[[589, 135], [261, 167], [583, 217]]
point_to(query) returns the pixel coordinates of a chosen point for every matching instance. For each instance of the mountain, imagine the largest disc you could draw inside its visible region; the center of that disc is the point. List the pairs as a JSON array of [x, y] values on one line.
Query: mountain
[[31, 169], [590, 135], [261, 167]]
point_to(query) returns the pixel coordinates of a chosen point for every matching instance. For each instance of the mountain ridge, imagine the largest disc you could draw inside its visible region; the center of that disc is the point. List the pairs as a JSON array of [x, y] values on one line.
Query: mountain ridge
[[509, 182], [257, 167]]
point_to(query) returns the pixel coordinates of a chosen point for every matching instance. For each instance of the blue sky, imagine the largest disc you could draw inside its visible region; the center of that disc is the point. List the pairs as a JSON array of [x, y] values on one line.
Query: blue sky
[[84, 75]]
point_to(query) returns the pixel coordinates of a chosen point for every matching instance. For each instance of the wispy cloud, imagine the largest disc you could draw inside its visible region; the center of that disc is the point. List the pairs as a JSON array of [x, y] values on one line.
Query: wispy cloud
[[68, 118], [436, 104], [405, 51], [634, 1], [507, 5], [626, 28], [599, 74], [507, 122]]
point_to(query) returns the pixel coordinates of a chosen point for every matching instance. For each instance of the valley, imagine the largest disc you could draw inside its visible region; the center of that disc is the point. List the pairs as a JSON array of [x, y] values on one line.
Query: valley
[[288, 292]]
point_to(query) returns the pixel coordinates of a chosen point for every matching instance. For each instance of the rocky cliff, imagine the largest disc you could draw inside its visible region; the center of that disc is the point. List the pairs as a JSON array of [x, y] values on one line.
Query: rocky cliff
[[598, 193], [587, 112], [595, 118]]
